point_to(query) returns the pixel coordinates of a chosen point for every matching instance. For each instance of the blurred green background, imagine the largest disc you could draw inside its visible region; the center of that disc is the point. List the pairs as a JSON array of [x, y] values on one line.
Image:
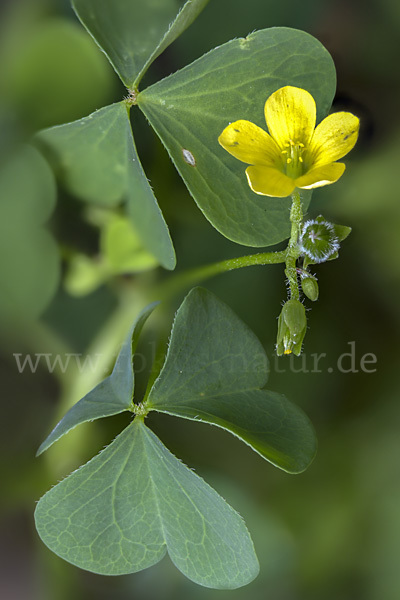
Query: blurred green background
[[332, 532]]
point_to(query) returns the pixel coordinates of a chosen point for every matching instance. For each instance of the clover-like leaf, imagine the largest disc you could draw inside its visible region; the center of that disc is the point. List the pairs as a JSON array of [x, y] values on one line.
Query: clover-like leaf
[[97, 158], [90, 155], [111, 396], [215, 372], [126, 507], [132, 33], [145, 214], [189, 12], [190, 108]]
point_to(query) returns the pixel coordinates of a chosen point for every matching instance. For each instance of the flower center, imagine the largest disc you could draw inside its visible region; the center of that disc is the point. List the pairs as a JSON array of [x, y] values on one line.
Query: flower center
[[293, 158]]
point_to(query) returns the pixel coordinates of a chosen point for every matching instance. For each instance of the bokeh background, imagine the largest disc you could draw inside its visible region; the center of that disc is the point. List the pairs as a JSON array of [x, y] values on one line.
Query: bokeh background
[[332, 532]]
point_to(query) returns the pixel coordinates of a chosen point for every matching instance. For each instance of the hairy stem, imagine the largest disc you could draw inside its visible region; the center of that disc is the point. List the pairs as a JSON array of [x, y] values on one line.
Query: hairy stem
[[184, 280], [292, 252]]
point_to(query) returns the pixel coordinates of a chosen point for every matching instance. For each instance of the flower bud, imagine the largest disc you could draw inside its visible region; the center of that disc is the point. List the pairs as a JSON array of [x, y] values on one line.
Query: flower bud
[[292, 327], [309, 286], [319, 240]]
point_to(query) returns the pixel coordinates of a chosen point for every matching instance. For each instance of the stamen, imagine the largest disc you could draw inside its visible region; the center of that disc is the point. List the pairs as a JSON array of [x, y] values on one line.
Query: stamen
[[293, 158]]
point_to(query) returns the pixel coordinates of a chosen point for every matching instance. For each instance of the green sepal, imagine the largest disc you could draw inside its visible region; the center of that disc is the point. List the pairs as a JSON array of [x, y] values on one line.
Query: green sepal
[[292, 327], [341, 231]]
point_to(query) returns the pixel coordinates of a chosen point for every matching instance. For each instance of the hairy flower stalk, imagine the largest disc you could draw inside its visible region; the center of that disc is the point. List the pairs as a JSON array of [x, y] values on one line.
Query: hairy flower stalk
[[294, 154]]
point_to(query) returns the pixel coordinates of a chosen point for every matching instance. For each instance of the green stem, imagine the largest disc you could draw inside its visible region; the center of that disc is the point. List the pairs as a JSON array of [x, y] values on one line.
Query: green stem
[[183, 280], [292, 253]]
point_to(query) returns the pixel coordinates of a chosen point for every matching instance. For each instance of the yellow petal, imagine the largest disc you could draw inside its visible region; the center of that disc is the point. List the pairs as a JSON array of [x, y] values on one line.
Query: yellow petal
[[333, 138], [290, 114], [250, 144], [321, 176], [267, 181]]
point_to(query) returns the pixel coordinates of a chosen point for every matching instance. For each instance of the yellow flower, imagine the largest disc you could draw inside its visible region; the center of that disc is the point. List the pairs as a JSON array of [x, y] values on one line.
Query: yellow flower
[[295, 153]]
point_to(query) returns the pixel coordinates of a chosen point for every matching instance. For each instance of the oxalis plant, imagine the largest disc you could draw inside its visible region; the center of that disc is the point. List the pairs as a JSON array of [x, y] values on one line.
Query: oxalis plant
[[256, 100]]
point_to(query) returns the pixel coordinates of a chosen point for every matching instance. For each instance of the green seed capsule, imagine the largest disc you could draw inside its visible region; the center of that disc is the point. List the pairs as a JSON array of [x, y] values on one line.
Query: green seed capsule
[[310, 288], [319, 240]]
